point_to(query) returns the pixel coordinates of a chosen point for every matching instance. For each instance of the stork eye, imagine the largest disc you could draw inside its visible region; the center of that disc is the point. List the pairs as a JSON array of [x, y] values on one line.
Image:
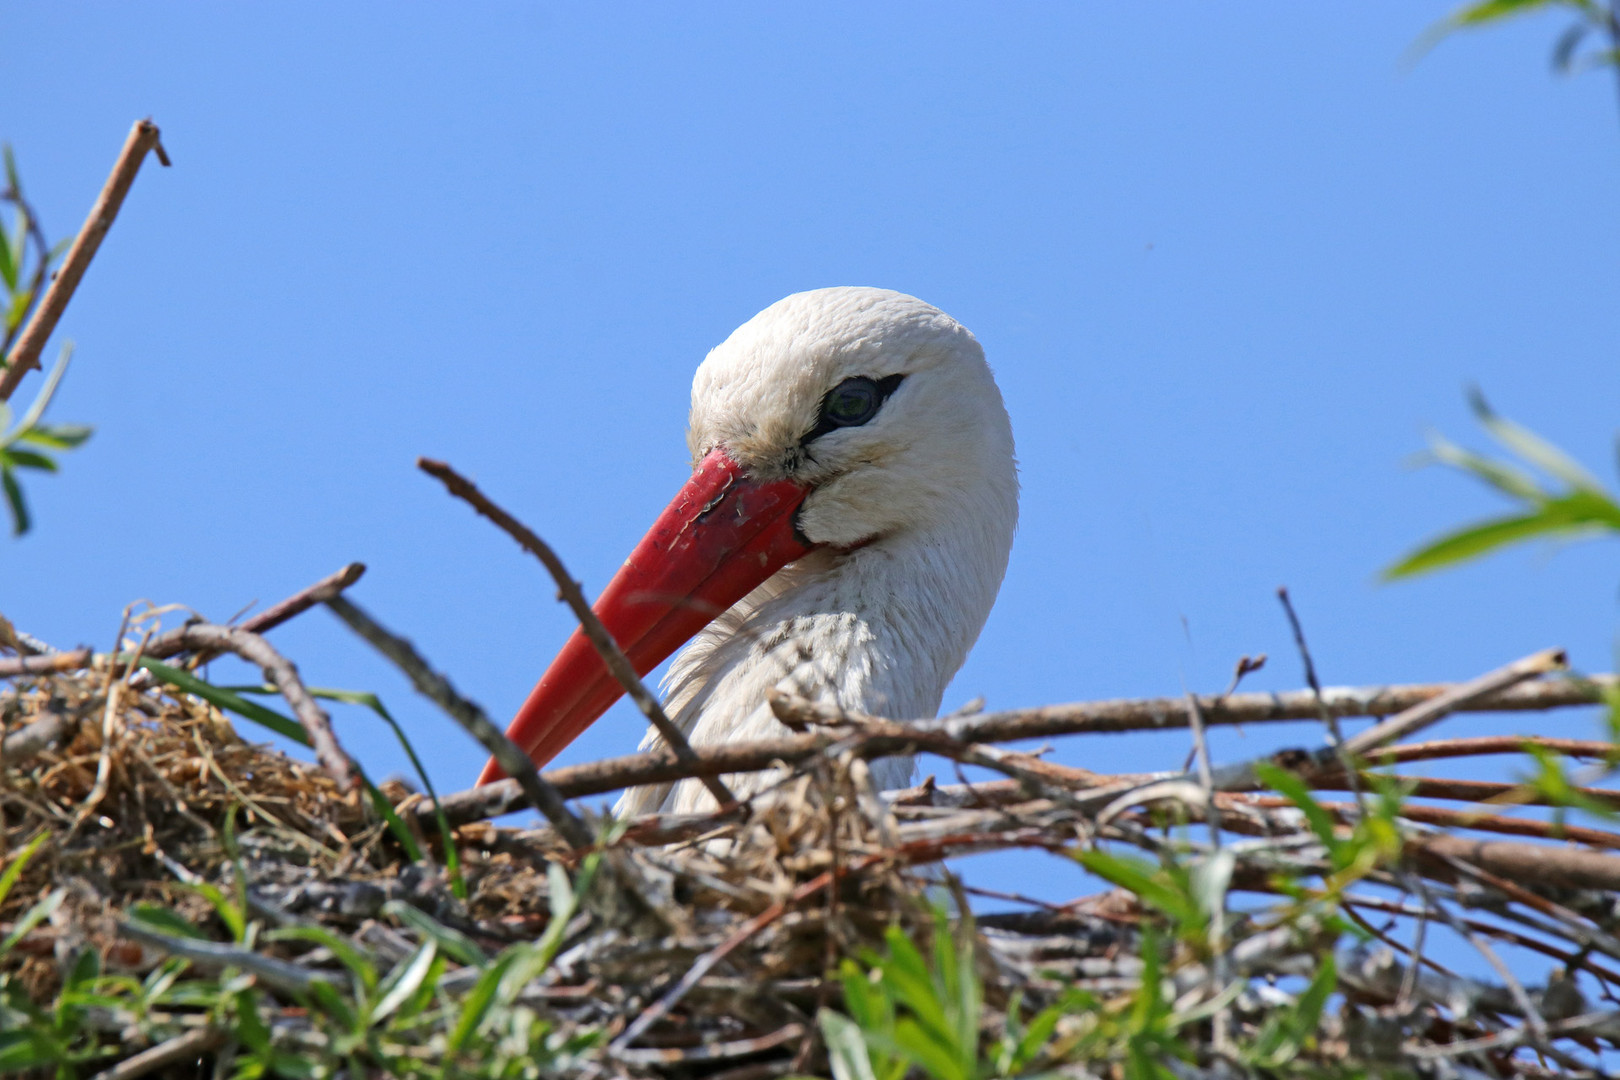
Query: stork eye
[[852, 403]]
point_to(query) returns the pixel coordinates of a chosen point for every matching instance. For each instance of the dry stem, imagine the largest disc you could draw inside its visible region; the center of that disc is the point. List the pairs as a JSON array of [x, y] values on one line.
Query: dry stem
[[568, 589], [25, 354]]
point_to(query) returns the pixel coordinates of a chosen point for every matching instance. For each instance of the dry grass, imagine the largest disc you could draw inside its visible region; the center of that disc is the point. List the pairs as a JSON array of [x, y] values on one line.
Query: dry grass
[[731, 943]]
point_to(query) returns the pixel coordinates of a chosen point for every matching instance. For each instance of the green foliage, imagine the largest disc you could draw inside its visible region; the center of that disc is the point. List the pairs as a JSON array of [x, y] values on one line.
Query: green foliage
[[28, 444], [404, 1019], [1556, 497], [25, 263], [910, 1011], [1591, 19]]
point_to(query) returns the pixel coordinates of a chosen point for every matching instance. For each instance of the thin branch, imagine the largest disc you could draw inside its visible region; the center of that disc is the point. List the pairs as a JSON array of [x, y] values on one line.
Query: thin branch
[[278, 670], [30, 344], [193, 1044], [271, 617], [662, 766], [301, 601], [436, 688], [47, 664], [1418, 717], [568, 589]]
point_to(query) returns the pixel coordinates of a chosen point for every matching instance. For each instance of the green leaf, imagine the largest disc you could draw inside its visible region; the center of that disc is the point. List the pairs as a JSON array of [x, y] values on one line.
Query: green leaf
[[165, 919], [32, 918], [458, 945], [331, 1002], [406, 978], [19, 239], [57, 436], [17, 308], [1507, 479], [477, 1002], [1146, 881], [231, 912], [1532, 447], [927, 1050], [1292, 788], [225, 699], [27, 459], [8, 264], [1488, 11], [846, 1047], [358, 963], [15, 867], [1472, 541], [20, 521]]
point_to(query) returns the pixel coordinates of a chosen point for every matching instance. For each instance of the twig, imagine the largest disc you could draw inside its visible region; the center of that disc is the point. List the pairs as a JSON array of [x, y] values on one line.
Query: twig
[[271, 617], [278, 670], [192, 1044], [281, 975], [47, 664], [720, 1051], [568, 589], [662, 766], [1541, 864], [1217, 926], [436, 688], [25, 354], [1418, 717], [1461, 819], [1242, 776], [301, 601]]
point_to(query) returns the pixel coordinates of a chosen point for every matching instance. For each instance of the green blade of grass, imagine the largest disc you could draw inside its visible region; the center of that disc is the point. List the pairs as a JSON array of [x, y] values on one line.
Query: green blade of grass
[[281, 725]]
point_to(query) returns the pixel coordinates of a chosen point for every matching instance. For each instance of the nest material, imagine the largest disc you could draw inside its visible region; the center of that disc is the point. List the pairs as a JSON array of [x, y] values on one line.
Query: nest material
[[707, 944]]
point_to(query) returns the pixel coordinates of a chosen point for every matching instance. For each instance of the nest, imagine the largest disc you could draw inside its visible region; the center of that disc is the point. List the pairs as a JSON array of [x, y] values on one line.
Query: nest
[[192, 902]]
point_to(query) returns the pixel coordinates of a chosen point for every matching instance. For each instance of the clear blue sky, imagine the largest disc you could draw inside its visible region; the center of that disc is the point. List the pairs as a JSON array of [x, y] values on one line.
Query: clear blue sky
[[1228, 262]]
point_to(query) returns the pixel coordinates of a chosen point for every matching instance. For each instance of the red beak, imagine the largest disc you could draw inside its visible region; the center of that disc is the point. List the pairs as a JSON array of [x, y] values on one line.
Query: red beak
[[720, 537]]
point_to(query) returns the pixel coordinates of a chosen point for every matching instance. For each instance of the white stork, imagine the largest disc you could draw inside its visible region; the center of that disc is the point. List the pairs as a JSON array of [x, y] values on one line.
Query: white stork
[[842, 537]]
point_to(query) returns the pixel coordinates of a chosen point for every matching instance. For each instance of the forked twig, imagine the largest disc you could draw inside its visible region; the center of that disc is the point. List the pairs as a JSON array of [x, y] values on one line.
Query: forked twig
[[612, 656], [30, 344]]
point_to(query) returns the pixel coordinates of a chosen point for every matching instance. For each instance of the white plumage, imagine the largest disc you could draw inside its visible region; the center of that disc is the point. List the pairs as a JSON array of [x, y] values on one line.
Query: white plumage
[[911, 515]]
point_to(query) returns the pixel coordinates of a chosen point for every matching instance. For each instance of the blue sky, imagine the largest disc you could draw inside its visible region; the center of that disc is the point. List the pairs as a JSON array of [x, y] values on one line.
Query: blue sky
[[1228, 262]]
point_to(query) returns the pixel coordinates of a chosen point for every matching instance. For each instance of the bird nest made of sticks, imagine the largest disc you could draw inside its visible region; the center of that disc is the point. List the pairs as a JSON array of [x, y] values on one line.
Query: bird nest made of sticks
[[178, 900]]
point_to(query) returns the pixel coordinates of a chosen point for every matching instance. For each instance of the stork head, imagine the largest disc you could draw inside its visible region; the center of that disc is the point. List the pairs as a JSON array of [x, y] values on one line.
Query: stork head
[[832, 419], [880, 406]]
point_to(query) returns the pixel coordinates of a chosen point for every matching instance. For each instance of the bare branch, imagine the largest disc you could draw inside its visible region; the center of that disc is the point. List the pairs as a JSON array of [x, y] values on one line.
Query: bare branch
[[25, 354], [436, 688], [278, 670], [568, 589], [45, 664]]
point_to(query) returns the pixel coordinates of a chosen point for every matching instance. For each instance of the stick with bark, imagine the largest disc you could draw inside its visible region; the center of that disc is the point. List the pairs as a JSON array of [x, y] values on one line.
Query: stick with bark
[[144, 136]]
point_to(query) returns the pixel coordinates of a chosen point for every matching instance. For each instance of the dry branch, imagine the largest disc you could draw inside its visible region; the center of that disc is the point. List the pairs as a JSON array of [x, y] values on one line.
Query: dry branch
[[277, 670], [44, 664], [436, 688], [618, 665], [660, 766], [144, 136], [301, 601]]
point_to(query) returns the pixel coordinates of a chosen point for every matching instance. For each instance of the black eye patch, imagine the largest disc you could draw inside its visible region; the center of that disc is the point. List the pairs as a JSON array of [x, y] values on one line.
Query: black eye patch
[[851, 403]]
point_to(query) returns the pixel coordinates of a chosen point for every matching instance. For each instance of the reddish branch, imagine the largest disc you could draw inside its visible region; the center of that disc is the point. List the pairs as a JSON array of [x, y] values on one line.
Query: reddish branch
[[25, 354]]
